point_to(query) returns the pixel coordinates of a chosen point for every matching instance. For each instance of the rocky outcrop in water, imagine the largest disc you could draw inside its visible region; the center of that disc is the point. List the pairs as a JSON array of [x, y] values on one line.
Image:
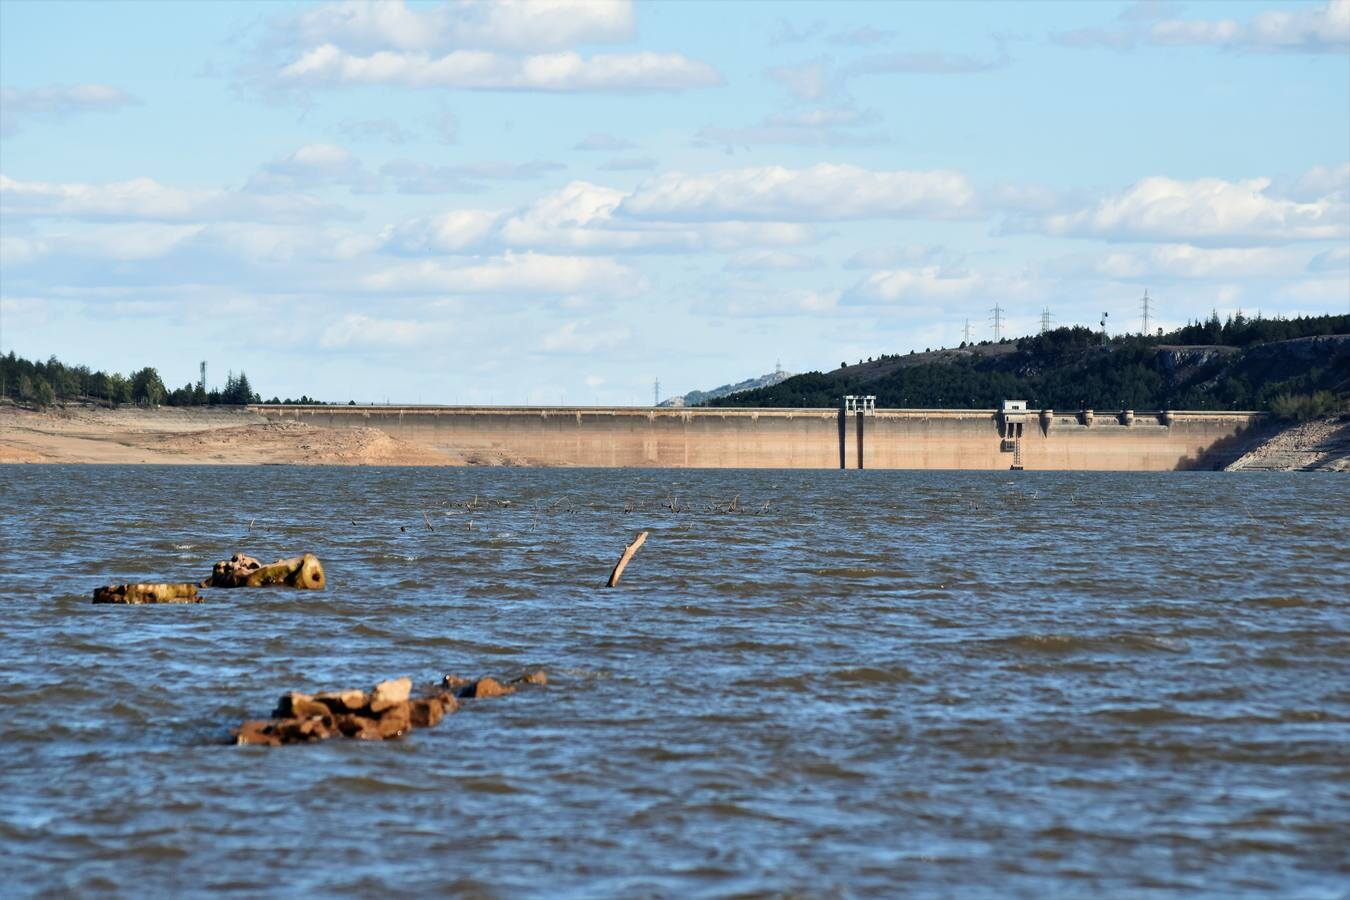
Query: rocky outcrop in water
[[387, 711], [305, 572], [137, 594]]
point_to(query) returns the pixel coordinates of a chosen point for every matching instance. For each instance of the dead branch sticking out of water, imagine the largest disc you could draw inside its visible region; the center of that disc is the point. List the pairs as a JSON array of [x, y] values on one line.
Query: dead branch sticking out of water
[[623, 560]]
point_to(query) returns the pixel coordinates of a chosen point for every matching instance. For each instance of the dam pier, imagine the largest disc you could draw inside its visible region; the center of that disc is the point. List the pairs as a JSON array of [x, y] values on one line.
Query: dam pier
[[783, 438]]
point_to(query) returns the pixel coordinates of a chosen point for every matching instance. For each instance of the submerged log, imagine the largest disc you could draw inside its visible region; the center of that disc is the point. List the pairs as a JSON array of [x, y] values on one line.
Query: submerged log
[[385, 712], [304, 572], [147, 593]]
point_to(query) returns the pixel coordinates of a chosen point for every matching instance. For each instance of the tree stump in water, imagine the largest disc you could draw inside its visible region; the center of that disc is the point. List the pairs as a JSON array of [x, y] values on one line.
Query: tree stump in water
[[305, 572]]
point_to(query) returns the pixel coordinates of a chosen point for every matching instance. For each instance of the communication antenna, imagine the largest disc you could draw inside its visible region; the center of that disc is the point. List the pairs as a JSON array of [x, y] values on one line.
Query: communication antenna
[[1146, 305], [966, 331], [997, 319], [203, 367], [1045, 320], [778, 367], [656, 392]]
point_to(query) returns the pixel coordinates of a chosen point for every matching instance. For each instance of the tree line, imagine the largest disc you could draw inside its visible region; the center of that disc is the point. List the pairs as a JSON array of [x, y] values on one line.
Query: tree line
[[1211, 364], [47, 383]]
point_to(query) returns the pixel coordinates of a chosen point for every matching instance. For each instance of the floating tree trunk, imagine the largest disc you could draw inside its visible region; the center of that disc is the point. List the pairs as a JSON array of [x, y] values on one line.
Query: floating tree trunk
[[147, 593], [304, 572], [627, 555]]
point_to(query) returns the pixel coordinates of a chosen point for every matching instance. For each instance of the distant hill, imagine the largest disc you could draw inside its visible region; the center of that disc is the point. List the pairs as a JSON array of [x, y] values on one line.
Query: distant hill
[[1238, 364], [701, 398]]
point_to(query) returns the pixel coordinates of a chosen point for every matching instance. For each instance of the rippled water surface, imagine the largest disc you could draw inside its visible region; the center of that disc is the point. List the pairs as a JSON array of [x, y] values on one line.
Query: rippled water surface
[[813, 683]]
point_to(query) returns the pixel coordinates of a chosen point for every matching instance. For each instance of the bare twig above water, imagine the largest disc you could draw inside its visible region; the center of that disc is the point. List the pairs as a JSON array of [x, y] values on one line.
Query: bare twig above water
[[623, 560]]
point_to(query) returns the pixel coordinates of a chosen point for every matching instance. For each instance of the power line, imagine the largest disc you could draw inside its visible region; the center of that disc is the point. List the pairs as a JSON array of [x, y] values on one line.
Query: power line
[[997, 319]]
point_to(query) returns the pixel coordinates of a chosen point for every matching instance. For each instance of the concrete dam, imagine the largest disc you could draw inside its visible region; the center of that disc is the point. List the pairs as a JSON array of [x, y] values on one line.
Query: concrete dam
[[732, 438]]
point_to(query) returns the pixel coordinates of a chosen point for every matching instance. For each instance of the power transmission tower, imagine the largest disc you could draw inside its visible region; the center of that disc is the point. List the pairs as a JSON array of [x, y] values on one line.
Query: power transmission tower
[[1146, 305], [1045, 320], [997, 319], [203, 376], [966, 331], [656, 392]]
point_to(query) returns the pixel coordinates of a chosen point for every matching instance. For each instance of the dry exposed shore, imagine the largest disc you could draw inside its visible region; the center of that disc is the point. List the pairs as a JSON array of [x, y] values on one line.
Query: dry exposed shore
[[197, 436], [1321, 445]]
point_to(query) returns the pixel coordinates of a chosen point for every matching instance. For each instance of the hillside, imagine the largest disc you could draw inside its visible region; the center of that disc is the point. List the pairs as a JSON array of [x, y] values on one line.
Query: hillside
[[702, 398], [1300, 365]]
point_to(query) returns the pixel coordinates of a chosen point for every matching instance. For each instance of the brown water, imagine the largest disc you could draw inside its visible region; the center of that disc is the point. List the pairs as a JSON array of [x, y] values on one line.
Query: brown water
[[852, 684]]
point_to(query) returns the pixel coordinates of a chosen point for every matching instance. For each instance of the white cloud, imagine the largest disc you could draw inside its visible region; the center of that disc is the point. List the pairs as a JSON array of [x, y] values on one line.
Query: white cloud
[[1310, 29], [328, 65], [581, 217], [511, 273], [805, 81], [629, 164], [927, 283], [313, 166], [56, 102], [1324, 29], [1324, 181], [356, 329], [925, 63], [422, 178], [518, 25], [770, 260], [826, 191], [1207, 211], [144, 199], [451, 232], [902, 256], [583, 338], [1186, 261]]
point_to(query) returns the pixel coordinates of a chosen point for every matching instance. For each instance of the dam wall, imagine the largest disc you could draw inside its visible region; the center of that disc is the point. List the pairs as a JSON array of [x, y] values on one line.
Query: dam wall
[[802, 438]]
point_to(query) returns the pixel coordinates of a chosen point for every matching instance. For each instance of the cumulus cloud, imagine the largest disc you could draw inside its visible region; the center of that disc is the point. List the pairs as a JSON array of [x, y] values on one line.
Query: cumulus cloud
[[54, 103], [1206, 211], [514, 25], [314, 166], [451, 232], [1315, 29], [329, 65], [144, 199], [360, 330], [929, 283], [823, 192], [1184, 261], [511, 273]]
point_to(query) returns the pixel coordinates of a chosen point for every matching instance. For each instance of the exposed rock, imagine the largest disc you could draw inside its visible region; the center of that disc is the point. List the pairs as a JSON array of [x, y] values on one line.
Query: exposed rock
[[134, 594], [344, 701], [387, 711], [305, 572], [390, 693], [396, 721], [454, 681]]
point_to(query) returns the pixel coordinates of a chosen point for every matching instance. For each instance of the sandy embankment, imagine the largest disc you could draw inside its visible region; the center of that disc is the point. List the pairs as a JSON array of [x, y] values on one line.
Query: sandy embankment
[[1322, 445], [196, 437]]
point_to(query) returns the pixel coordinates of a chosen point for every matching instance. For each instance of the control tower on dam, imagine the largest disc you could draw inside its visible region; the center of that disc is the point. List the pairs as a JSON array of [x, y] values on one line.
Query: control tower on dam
[[855, 435]]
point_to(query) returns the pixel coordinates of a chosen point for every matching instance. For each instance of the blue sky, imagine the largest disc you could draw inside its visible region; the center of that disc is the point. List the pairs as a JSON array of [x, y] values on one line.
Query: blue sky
[[558, 202]]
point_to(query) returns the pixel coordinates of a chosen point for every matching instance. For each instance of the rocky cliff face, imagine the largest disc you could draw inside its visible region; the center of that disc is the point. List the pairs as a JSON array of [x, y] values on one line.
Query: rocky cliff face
[[696, 398]]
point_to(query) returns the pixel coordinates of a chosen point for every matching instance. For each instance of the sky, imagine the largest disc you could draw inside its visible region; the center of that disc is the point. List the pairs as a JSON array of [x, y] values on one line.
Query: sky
[[562, 201]]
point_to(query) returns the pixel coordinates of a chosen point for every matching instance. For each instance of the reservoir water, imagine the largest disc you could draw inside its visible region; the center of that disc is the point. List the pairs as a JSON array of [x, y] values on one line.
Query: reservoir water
[[814, 683]]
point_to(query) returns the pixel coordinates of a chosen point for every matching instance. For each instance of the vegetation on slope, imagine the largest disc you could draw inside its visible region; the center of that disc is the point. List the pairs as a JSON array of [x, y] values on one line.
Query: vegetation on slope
[[1290, 366]]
